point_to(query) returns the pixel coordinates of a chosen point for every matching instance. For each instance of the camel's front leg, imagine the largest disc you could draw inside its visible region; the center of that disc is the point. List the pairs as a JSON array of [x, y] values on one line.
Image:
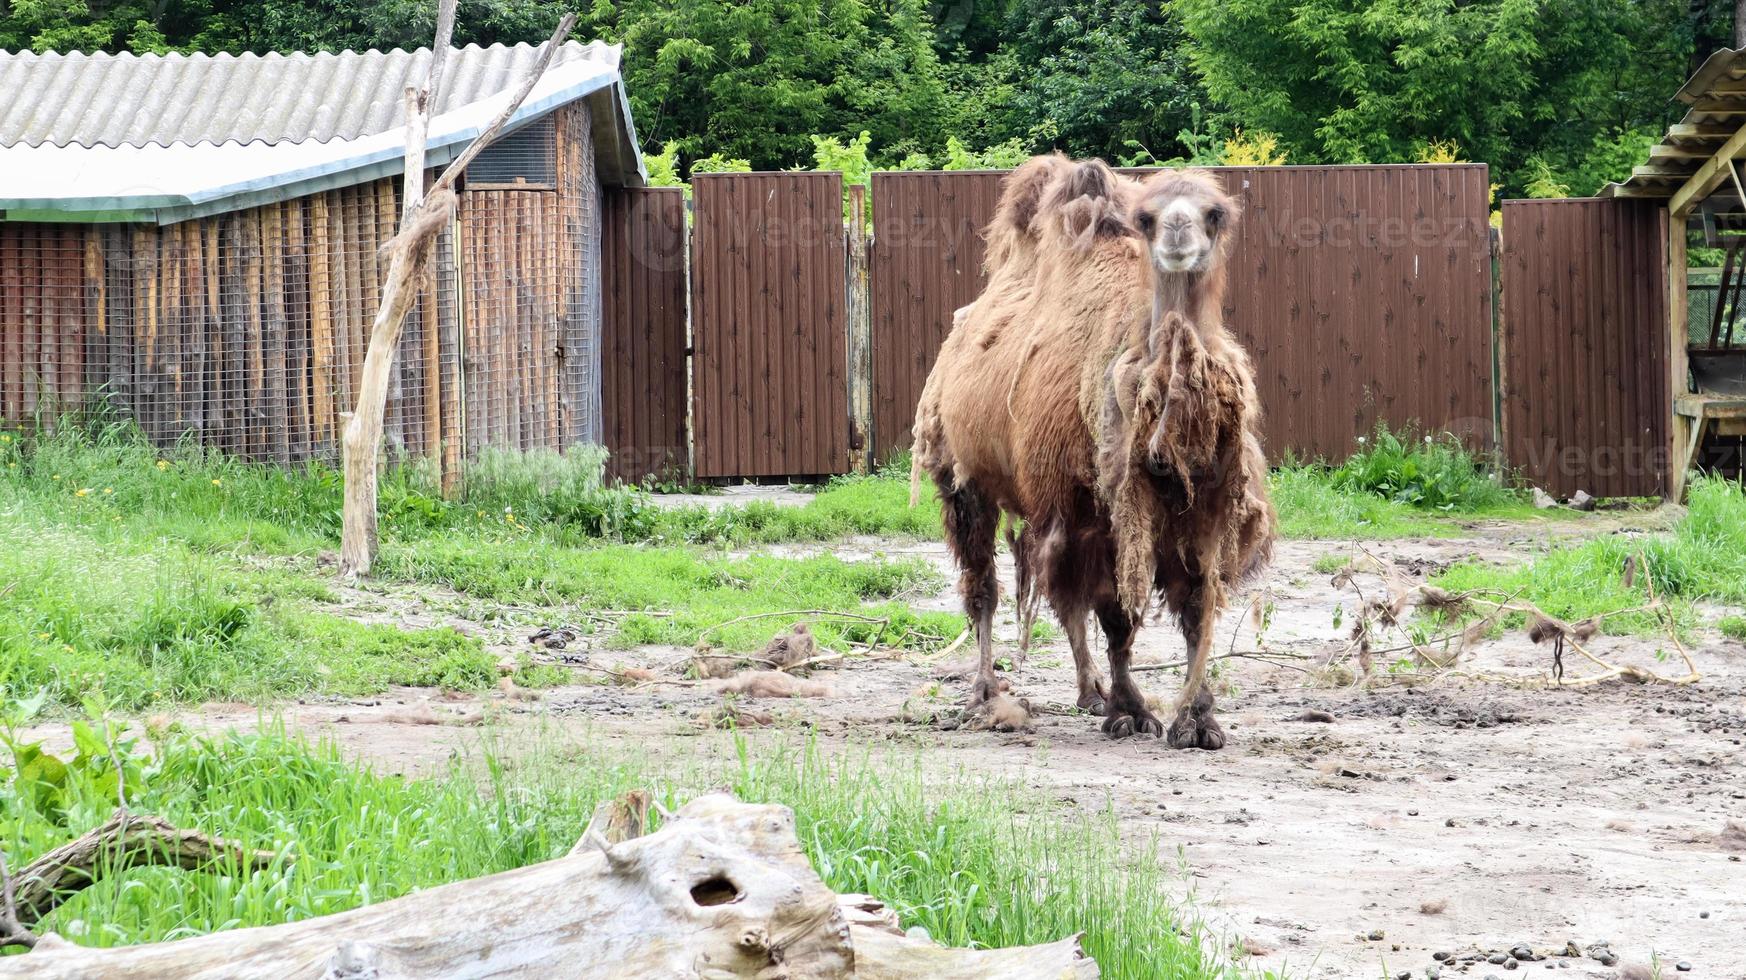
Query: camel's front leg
[[1093, 692], [1126, 712], [1194, 726]]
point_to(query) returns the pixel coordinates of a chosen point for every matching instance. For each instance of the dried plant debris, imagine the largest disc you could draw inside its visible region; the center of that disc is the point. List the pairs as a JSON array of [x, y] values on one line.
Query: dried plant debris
[[771, 684]]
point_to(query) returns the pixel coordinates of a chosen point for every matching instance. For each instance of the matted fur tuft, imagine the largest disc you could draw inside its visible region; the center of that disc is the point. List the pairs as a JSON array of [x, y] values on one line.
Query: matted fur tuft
[[1010, 233]]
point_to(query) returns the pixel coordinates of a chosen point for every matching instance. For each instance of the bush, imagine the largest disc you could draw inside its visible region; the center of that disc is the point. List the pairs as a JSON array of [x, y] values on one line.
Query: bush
[[1436, 473]]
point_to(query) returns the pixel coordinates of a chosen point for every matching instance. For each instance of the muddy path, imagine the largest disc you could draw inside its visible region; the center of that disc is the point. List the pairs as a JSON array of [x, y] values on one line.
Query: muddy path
[[1452, 817]]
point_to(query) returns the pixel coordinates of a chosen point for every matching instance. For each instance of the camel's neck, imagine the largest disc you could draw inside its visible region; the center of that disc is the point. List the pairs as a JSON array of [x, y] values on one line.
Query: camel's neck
[[1192, 294]]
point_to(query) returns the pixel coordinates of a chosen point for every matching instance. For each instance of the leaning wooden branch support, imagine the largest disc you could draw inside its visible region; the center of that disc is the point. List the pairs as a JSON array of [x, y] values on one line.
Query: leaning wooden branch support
[[723, 889], [408, 255], [126, 840]]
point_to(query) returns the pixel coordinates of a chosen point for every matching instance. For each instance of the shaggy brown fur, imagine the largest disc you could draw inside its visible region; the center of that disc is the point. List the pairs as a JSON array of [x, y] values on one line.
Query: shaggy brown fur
[[1092, 392]]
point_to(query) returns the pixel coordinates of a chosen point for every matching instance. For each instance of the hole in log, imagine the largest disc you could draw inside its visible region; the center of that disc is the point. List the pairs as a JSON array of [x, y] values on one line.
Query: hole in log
[[714, 891]]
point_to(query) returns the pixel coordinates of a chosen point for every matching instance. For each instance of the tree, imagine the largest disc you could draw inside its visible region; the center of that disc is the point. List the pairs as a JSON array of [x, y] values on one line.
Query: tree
[[1507, 80], [754, 79], [1098, 76]]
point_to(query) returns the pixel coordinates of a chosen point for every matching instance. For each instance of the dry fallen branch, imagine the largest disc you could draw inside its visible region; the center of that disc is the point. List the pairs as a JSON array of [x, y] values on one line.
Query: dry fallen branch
[[12, 931], [125, 841], [1541, 627], [722, 889]]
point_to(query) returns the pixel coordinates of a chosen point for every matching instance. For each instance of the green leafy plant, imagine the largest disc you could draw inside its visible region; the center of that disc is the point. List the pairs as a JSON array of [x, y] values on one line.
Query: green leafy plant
[[1432, 472]]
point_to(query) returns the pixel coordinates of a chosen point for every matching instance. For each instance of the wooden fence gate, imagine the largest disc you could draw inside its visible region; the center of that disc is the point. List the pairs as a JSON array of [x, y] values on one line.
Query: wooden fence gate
[[769, 327], [643, 369], [1585, 379]]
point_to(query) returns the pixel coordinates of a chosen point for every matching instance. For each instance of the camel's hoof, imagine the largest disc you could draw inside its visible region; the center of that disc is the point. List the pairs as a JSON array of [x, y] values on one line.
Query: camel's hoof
[[1196, 730], [1092, 702], [1138, 721]]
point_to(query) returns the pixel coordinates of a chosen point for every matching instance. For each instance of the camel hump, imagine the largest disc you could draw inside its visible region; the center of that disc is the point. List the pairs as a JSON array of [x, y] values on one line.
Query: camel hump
[[1085, 204], [1021, 192]]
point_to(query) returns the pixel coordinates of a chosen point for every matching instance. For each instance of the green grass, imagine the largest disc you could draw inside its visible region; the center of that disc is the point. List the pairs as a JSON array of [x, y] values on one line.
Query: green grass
[[849, 505], [1732, 627], [959, 854], [1702, 558], [163, 576], [1313, 504], [674, 594]]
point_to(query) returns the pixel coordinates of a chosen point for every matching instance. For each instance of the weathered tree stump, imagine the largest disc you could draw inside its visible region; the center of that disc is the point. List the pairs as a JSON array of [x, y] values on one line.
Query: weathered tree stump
[[722, 890]]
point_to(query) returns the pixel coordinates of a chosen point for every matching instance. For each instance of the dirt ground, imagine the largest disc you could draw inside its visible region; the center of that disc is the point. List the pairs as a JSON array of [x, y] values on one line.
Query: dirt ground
[[1452, 817]]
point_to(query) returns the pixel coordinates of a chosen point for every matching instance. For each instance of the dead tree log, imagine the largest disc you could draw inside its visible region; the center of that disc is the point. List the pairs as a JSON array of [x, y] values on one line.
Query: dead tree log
[[722, 890], [125, 840], [408, 253]]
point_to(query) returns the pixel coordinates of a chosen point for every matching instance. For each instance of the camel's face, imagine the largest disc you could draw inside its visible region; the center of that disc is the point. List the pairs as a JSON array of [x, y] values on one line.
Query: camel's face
[[1181, 218]]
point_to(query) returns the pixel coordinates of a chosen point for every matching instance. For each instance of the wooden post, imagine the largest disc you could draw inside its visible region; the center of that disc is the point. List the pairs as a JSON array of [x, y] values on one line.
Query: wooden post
[[1679, 427], [409, 254], [860, 345]]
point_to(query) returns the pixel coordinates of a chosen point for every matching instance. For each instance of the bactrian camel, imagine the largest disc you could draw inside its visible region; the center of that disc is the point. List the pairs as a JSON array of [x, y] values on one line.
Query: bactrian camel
[[1093, 394]]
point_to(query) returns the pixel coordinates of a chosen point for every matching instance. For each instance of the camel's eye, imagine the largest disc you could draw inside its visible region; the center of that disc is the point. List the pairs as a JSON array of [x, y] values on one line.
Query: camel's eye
[[1215, 217], [1147, 221]]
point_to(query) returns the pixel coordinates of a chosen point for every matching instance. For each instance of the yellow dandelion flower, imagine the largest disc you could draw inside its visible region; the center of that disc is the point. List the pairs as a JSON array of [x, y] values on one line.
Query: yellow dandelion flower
[[82, 491], [217, 482], [108, 489], [163, 464], [56, 476]]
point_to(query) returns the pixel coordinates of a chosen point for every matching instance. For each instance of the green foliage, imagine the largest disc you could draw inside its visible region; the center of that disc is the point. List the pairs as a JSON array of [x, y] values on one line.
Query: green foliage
[[1348, 81], [1702, 558], [1252, 150], [754, 79], [1579, 86], [1435, 473], [663, 167], [1093, 76], [1001, 156], [1542, 182], [715, 163]]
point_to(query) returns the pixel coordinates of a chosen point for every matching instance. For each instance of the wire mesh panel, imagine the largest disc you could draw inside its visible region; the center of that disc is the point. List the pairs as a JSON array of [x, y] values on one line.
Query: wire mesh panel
[[243, 331], [531, 304], [247, 331]]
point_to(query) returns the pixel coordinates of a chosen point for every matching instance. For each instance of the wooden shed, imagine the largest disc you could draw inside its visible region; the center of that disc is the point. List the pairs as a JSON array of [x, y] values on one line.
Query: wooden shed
[[190, 241], [1694, 176]]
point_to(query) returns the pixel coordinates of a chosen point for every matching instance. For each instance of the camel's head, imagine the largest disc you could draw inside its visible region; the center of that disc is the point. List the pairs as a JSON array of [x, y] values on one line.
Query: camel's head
[[1184, 217]]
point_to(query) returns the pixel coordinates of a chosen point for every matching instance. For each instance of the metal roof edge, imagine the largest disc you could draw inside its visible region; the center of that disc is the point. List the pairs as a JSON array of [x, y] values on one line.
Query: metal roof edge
[[1716, 65], [356, 168]]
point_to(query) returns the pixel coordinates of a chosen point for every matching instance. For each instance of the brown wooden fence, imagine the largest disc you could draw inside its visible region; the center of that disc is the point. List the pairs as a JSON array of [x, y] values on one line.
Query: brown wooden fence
[[1363, 294], [644, 374], [1585, 381], [769, 332], [926, 263]]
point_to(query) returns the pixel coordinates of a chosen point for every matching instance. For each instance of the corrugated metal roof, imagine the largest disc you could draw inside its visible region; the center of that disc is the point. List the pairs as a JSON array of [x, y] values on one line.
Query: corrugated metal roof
[[144, 100], [1716, 93], [171, 183]]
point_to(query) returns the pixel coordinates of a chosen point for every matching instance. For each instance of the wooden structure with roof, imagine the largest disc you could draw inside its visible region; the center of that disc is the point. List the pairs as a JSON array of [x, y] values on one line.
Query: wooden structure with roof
[[1695, 173]]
